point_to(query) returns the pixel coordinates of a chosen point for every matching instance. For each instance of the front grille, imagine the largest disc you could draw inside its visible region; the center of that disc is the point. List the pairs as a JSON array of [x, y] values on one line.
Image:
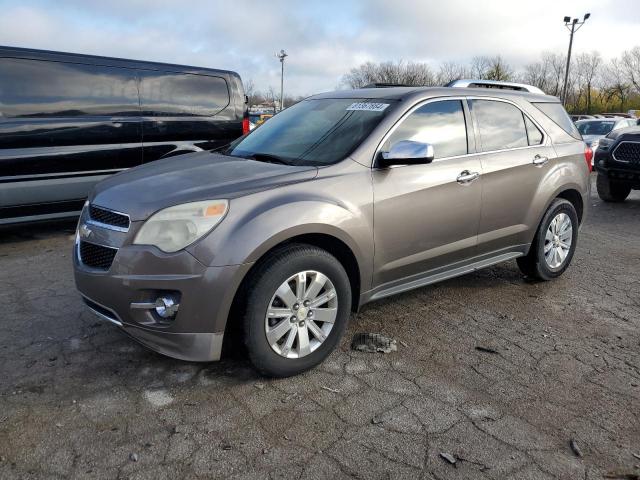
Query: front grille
[[108, 217], [628, 152], [97, 256]]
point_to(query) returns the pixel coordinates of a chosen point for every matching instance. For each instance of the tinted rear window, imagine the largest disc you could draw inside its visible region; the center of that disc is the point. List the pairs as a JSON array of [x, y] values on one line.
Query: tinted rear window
[[182, 94], [557, 113], [36, 88]]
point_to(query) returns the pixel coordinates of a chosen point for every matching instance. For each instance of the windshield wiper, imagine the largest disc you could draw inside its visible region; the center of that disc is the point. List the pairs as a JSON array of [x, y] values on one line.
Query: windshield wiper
[[269, 158]]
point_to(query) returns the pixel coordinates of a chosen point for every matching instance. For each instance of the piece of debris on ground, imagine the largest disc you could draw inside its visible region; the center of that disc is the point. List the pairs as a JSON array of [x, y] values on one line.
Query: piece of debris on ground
[[372, 343], [575, 448], [449, 458], [480, 348]]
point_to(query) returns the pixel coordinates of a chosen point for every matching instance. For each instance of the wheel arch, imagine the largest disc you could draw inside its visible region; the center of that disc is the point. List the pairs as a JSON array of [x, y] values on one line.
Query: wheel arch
[[331, 243], [572, 195]]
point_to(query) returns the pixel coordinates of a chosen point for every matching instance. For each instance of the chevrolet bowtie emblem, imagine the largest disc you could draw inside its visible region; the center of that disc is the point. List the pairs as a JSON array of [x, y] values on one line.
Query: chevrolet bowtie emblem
[[85, 232]]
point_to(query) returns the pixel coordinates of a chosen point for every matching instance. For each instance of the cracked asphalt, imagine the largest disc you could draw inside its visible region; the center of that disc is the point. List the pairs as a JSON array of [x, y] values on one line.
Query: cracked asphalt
[[558, 361]]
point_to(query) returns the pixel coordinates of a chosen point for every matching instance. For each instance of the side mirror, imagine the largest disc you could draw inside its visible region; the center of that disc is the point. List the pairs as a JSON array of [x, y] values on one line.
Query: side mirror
[[407, 152]]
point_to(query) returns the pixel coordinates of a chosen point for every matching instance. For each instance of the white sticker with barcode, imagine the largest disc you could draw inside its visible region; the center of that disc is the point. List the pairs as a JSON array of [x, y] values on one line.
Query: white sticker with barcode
[[368, 106]]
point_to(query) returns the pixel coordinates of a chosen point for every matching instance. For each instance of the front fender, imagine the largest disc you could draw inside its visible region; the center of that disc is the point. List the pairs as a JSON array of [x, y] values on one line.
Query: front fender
[[258, 222]]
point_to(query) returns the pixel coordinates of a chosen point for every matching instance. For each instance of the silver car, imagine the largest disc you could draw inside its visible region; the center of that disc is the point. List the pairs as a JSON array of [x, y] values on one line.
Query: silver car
[[342, 199]]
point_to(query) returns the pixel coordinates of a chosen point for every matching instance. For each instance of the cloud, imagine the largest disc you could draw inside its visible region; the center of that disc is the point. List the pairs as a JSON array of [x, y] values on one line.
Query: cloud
[[324, 39]]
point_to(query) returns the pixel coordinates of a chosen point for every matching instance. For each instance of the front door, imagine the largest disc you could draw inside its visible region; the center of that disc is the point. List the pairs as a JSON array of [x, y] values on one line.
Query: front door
[[426, 216]]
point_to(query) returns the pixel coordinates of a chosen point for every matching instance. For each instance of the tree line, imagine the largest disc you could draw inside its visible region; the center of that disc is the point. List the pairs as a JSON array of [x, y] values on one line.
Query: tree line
[[595, 85]]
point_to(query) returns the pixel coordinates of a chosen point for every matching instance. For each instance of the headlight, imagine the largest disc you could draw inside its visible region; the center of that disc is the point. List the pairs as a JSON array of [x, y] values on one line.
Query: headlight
[[604, 143], [176, 227]]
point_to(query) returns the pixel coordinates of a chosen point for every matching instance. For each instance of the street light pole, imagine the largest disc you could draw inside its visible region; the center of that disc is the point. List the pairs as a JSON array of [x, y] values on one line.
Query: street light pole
[[282, 55], [573, 26]]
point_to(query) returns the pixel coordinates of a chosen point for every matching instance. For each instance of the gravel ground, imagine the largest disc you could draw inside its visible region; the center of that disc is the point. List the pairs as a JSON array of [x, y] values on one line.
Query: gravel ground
[[496, 373]]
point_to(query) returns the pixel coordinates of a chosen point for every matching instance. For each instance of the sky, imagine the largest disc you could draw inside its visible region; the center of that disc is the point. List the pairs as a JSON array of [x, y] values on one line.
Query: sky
[[324, 39]]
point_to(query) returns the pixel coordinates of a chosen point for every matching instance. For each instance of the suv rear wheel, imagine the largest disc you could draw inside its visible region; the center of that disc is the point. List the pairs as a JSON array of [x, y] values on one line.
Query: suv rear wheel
[[298, 306], [610, 191], [554, 244]]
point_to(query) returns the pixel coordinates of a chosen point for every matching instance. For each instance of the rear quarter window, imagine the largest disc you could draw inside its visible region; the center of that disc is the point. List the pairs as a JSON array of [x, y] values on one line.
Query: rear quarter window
[[557, 113]]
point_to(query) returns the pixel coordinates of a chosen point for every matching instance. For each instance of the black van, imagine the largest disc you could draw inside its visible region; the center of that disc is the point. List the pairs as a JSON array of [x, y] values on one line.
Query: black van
[[69, 120]]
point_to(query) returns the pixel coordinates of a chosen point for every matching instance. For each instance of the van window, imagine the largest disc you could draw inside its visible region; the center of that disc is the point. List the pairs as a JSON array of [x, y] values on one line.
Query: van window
[[178, 94], [439, 123], [501, 125], [37, 88]]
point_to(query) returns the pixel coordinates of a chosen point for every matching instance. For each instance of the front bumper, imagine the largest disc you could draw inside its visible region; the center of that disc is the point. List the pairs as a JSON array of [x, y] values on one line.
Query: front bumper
[[140, 274]]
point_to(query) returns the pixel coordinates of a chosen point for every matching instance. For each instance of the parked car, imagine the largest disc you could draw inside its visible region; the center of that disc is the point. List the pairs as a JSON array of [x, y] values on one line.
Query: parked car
[[593, 131], [616, 114], [617, 163], [276, 232], [68, 121], [575, 118]]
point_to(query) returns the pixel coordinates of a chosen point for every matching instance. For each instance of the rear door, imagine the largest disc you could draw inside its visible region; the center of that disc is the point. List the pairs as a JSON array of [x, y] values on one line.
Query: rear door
[[184, 113], [426, 216], [516, 157], [63, 127]]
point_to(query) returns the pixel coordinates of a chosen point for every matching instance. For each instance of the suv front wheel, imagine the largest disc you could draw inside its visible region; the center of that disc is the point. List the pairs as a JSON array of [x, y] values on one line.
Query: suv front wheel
[[611, 191], [298, 306], [554, 244]]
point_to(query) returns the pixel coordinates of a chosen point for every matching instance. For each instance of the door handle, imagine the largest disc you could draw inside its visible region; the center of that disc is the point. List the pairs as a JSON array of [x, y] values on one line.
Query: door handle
[[540, 160], [467, 176]]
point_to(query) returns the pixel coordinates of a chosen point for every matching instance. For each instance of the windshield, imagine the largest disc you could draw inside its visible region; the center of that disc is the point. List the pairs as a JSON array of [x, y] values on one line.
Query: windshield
[[595, 128], [312, 132]]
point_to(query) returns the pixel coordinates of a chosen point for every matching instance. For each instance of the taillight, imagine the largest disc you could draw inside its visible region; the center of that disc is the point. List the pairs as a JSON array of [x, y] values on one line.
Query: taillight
[[588, 156], [245, 124]]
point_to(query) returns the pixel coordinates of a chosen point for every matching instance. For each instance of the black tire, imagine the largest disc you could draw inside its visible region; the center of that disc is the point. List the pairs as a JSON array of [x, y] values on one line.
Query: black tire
[[610, 191], [270, 274], [534, 264]]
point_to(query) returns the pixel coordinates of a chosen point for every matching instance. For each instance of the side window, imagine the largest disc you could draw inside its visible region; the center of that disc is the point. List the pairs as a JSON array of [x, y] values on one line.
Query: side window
[[533, 132], [439, 123], [38, 88], [501, 125], [182, 94]]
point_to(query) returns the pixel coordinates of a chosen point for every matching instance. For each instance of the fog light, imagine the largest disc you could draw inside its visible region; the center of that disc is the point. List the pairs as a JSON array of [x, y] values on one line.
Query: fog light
[[166, 307]]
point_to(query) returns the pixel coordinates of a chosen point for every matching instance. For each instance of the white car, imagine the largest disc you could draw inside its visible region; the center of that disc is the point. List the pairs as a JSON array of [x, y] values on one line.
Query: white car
[[592, 130]]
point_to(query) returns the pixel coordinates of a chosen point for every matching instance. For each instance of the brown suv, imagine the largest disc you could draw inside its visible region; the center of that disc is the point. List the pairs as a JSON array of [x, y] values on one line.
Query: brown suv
[[344, 198]]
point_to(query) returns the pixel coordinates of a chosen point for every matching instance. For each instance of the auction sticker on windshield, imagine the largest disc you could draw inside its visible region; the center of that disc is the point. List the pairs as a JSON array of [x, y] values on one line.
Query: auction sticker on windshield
[[368, 106]]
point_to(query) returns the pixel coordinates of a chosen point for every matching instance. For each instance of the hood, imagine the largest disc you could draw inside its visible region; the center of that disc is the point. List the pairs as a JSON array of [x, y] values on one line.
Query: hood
[[144, 190], [629, 133]]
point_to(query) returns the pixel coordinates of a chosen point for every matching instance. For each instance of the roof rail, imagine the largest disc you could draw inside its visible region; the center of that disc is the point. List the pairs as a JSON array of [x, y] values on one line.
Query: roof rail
[[468, 83], [386, 85]]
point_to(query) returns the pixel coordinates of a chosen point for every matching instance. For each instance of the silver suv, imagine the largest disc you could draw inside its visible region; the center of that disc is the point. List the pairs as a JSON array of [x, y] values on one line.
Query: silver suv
[[342, 199]]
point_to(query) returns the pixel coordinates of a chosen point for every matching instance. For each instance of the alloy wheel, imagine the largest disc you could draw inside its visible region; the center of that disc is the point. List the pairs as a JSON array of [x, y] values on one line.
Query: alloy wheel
[[557, 240], [301, 314]]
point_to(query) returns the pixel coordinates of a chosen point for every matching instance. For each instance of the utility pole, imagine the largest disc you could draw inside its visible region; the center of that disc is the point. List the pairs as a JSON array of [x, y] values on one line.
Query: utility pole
[[282, 55], [573, 26]]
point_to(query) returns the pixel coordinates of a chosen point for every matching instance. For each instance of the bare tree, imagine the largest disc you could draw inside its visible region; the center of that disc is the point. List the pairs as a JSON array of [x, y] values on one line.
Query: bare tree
[[412, 73], [536, 74], [631, 65], [587, 70], [450, 71], [250, 91], [615, 85], [500, 70], [479, 67]]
